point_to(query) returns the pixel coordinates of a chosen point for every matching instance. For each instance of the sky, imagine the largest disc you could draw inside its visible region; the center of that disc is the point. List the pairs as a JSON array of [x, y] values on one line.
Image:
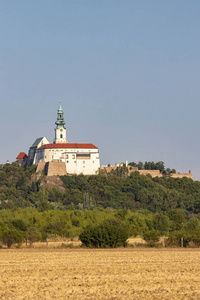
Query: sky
[[127, 73]]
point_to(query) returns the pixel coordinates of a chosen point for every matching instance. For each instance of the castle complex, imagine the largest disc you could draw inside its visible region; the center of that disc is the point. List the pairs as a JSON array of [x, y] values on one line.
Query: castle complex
[[62, 158]]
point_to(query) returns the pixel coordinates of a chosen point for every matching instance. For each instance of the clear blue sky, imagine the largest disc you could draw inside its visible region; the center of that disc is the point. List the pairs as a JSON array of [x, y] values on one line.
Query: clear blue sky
[[127, 73]]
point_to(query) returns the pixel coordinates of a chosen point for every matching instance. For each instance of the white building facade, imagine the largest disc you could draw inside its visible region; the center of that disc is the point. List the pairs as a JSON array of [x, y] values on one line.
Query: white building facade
[[37, 144], [78, 158]]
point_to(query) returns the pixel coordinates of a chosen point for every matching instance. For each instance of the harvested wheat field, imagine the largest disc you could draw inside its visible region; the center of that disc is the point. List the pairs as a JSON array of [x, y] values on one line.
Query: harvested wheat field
[[100, 274]]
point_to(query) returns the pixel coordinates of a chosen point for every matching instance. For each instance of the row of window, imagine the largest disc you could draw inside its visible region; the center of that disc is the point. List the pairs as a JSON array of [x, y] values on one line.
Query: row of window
[[67, 156]]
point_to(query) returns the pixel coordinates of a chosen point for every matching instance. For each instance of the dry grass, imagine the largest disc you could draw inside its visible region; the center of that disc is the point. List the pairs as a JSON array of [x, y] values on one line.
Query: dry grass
[[55, 243], [75, 242], [100, 274]]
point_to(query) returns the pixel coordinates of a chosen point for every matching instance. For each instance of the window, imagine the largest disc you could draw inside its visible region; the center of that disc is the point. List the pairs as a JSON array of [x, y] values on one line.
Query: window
[[61, 136], [83, 162], [83, 155], [73, 156]]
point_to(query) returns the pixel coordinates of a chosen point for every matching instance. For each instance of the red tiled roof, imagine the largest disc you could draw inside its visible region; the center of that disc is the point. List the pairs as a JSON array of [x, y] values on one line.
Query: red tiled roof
[[22, 155], [67, 145]]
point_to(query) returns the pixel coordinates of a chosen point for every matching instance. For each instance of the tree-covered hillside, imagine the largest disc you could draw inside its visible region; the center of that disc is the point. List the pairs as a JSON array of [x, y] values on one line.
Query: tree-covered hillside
[[134, 192], [20, 188], [89, 205]]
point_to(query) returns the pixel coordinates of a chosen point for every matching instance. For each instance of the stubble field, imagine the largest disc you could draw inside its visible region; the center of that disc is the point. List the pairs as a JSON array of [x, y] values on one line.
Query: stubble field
[[100, 274]]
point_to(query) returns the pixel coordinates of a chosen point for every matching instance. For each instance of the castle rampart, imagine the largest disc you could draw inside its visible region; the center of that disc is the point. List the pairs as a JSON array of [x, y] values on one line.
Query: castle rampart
[[153, 173]]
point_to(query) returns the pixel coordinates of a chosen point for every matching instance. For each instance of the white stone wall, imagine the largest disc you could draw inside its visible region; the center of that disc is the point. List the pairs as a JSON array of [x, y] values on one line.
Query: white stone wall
[[32, 150], [39, 156], [85, 161]]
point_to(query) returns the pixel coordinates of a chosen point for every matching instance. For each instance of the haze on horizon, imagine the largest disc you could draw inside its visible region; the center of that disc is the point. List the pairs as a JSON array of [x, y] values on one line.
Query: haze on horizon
[[126, 72]]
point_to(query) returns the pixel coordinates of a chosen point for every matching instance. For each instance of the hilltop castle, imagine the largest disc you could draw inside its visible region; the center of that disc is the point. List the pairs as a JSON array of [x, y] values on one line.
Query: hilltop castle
[[61, 157]]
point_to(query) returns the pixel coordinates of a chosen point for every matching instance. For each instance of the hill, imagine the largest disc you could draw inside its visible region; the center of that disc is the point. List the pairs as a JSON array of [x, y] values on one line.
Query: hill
[[19, 187]]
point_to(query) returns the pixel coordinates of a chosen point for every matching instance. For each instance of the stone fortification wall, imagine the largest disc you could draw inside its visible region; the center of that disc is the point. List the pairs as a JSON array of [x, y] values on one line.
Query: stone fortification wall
[[40, 166], [153, 173], [59, 168], [131, 170], [108, 169], [55, 168], [52, 168], [181, 175], [111, 168]]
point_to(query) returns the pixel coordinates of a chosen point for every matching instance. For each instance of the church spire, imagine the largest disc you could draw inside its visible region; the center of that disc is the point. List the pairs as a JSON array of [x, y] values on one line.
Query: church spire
[[60, 119], [60, 130]]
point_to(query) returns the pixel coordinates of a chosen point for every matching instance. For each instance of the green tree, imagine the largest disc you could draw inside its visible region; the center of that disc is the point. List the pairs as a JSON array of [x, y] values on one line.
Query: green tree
[[161, 223], [33, 235], [137, 224], [193, 224], [20, 225], [140, 165], [177, 219], [109, 234], [11, 236], [132, 164], [151, 237]]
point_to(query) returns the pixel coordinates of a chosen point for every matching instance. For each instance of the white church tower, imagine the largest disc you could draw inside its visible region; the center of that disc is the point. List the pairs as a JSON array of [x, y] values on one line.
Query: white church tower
[[60, 130]]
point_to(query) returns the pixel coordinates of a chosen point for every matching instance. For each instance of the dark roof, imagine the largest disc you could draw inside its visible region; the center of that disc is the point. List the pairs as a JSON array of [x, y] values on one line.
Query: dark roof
[[37, 141], [22, 155], [67, 145]]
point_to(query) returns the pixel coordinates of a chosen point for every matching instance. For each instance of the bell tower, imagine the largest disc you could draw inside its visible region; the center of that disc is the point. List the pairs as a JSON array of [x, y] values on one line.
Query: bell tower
[[60, 130]]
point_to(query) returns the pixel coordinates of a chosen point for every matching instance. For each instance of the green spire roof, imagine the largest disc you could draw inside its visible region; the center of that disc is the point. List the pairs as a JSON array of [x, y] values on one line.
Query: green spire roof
[[60, 119], [60, 110]]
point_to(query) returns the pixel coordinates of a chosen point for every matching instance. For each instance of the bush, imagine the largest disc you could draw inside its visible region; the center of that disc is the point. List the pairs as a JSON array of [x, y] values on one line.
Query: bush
[[11, 236], [151, 237], [196, 237], [174, 239], [109, 234], [33, 235]]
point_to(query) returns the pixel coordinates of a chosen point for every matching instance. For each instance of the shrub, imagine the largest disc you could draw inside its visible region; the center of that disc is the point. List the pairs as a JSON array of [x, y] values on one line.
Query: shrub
[[196, 237], [11, 236], [109, 234], [151, 237], [174, 239], [33, 235]]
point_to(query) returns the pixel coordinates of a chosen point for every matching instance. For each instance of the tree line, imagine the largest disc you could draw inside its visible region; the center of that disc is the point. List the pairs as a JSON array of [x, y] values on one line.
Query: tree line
[[20, 188], [90, 206], [98, 228]]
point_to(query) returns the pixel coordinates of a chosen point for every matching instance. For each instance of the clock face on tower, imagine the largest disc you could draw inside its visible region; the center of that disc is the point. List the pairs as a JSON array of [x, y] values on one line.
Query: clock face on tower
[[61, 130]]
